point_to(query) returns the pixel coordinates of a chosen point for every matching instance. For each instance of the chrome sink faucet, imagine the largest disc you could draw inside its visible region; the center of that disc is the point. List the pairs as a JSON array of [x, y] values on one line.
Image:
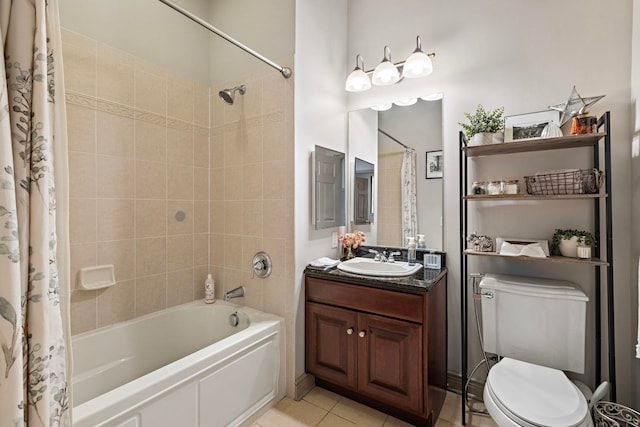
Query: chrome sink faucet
[[392, 254], [238, 292], [380, 256]]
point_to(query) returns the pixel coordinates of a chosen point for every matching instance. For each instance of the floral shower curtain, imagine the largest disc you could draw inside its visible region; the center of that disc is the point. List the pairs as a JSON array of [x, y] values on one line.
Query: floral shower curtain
[[409, 195], [33, 365]]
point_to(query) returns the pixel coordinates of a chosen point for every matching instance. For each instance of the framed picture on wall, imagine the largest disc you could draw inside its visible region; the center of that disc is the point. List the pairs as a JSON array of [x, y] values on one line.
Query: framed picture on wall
[[525, 127], [435, 162]]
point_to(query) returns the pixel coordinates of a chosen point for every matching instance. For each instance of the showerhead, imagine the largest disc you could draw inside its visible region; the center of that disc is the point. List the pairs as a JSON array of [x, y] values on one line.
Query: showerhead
[[228, 95]]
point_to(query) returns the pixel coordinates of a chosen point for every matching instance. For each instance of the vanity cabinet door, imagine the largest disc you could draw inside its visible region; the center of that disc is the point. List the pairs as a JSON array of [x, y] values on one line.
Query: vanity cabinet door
[[390, 361], [331, 343]]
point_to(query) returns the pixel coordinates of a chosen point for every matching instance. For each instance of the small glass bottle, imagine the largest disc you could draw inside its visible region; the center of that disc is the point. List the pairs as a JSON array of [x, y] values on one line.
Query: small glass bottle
[[512, 186], [411, 251], [493, 188], [479, 187]]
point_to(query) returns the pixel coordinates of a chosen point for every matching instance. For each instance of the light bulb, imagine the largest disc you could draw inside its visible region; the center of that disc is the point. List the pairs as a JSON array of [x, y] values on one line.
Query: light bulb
[[381, 107], [358, 80], [433, 97], [418, 64], [406, 102], [385, 73]]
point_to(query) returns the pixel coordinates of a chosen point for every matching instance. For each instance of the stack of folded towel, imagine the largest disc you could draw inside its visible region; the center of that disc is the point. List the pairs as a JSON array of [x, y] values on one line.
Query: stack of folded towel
[[522, 247], [324, 263], [533, 250]]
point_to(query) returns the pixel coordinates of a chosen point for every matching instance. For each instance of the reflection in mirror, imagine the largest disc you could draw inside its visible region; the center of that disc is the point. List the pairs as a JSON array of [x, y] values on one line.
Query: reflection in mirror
[[382, 139], [329, 184], [363, 192]]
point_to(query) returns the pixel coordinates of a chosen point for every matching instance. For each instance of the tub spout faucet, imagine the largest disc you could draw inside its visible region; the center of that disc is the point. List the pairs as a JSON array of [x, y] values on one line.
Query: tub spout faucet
[[235, 293]]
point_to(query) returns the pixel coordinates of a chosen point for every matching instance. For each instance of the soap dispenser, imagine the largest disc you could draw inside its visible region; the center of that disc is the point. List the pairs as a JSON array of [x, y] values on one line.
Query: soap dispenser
[[411, 252], [421, 243]]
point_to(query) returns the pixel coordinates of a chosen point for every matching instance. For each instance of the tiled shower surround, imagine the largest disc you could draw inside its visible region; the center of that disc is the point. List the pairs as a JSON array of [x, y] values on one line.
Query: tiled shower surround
[[390, 199], [145, 144]]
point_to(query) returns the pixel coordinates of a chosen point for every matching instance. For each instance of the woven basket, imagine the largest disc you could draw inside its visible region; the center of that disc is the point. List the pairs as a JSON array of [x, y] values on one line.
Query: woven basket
[[585, 181]]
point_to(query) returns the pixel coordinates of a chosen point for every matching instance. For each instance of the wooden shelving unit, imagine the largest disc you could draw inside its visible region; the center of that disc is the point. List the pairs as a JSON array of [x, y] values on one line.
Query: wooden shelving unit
[[597, 142], [524, 197], [552, 258], [562, 142]]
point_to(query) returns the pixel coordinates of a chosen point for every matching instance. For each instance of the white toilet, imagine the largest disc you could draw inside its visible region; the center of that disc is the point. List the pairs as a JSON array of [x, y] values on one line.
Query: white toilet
[[538, 327]]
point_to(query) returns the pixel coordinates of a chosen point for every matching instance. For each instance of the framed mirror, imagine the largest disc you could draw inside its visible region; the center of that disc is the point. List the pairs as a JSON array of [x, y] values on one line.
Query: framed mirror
[[329, 188], [381, 139]]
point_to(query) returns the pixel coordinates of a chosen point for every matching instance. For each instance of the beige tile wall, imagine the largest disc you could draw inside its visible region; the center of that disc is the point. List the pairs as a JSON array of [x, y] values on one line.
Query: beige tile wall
[[252, 175], [389, 200], [252, 191], [144, 144], [138, 153], [140, 150]]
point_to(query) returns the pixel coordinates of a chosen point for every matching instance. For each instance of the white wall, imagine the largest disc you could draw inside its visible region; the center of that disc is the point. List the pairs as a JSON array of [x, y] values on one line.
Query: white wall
[[523, 56], [635, 186], [320, 118], [147, 29], [264, 26]]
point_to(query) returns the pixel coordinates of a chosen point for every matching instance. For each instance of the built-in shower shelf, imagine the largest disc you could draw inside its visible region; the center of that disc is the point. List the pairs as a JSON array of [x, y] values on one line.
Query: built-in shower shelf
[[552, 258], [97, 277]]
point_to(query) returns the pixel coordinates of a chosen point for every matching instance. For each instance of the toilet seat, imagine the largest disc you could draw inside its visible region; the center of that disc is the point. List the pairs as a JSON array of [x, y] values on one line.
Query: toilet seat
[[533, 395]]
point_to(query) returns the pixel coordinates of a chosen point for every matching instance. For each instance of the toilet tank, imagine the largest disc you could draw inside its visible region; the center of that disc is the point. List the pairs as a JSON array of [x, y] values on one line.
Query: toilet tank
[[535, 320]]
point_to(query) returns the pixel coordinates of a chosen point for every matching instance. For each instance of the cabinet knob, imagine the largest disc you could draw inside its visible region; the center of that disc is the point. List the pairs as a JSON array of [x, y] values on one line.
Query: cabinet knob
[[350, 331], [362, 334]]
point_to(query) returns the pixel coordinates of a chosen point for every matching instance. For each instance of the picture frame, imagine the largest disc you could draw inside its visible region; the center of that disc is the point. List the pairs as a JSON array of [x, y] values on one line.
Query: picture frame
[[434, 164], [528, 126]]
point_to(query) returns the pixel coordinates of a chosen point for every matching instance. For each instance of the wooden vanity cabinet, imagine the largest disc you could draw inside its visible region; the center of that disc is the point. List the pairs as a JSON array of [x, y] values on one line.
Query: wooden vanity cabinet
[[385, 348]]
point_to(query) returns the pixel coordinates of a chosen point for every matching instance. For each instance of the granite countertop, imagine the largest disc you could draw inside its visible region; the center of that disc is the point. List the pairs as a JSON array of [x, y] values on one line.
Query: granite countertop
[[423, 280]]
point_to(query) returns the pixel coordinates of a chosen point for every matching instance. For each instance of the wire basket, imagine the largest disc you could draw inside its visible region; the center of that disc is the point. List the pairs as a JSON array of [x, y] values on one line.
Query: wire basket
[[574, 181], [609, 414]]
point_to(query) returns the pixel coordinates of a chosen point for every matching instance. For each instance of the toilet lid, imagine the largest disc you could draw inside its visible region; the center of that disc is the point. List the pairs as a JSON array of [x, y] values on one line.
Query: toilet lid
[[537, 394]]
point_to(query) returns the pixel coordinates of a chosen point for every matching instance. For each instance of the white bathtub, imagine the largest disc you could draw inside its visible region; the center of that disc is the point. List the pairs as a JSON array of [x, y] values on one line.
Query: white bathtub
[[183, 366]]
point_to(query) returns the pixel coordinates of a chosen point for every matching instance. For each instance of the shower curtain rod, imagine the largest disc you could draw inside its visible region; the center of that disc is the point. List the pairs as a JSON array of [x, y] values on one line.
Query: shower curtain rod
[[285, 71], [393, 139]]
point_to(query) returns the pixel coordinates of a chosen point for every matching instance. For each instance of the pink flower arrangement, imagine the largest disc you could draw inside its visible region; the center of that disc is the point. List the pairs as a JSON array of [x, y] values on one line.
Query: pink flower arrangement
[[352, 240]]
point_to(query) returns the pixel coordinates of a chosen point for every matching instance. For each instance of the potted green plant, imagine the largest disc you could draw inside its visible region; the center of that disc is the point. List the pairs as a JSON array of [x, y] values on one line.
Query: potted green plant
[[565, 242], [484, 127]]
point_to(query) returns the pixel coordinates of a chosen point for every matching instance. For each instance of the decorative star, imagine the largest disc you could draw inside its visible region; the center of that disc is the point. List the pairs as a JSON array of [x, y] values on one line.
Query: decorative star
[[574, 105]]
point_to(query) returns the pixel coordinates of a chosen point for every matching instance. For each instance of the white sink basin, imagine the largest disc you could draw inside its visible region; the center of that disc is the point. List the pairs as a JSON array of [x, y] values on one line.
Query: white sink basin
[[369, 267]]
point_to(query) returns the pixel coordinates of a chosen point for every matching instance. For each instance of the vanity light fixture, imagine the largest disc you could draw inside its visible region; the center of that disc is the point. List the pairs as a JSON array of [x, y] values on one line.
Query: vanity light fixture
[[418, 64], [358, 80], [433, 97], [386, 72], [406, 102], [382, 107]]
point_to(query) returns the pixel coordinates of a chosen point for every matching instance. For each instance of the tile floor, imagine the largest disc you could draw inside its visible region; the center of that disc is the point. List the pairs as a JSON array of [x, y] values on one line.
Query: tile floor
[[323, 408]]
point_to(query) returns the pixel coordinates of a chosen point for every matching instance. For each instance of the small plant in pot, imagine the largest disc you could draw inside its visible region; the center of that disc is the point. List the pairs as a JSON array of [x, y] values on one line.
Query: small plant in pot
[[565, 242], [484, 127]]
